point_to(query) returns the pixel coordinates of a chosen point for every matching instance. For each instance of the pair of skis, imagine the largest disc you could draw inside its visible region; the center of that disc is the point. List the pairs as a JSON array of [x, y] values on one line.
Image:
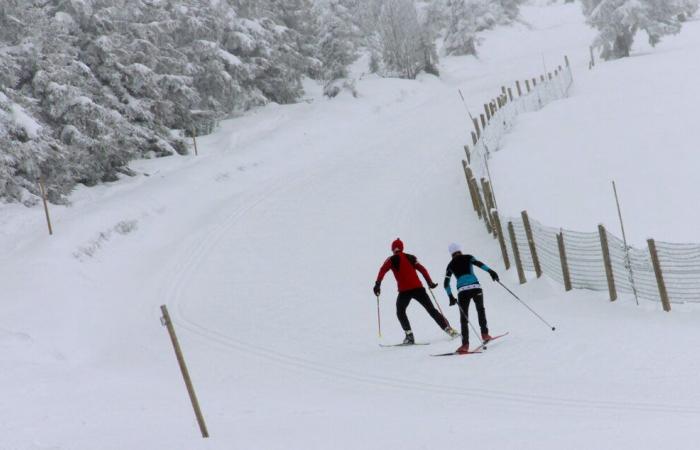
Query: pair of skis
[[479, 349]]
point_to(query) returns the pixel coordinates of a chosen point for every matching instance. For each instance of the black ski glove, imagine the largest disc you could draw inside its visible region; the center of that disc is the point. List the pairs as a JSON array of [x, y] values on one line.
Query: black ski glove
[[432, 285], [494, 275], [453, 300], [376, 289]]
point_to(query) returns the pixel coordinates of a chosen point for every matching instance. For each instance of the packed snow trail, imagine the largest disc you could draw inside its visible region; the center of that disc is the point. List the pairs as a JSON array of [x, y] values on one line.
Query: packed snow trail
[[266, 248]]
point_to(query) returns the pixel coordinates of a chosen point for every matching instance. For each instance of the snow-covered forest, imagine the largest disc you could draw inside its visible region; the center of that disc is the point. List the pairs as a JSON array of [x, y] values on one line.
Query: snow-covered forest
[[88, 85]]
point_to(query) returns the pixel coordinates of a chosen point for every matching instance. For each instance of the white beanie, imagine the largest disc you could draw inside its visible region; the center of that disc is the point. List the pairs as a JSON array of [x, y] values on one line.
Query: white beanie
[[453, 248]]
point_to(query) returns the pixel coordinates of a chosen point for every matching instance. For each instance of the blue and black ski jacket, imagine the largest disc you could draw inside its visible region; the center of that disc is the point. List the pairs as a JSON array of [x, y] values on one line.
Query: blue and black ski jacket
[[462, 267]]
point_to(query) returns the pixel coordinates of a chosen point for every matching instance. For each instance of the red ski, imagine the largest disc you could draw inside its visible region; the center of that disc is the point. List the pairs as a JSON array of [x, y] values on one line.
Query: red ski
[[485, 344], [457, 353]]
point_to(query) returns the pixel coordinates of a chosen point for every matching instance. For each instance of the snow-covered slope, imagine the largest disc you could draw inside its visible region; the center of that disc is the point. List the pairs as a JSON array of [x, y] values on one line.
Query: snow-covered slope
[[633, 121], [265, 248]]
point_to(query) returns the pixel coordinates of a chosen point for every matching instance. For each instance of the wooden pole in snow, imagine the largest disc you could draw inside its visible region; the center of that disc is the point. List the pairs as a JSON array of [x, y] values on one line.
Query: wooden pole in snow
[[42, 188], [165, 320], [194, 141]]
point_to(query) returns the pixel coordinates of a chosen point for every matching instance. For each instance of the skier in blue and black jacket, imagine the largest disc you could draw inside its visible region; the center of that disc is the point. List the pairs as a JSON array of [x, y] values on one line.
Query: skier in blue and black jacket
[[468, 288]]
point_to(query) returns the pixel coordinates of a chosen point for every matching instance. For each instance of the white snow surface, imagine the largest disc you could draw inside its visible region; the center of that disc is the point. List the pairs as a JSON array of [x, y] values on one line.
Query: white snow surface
[[633, 121], [265, 249]]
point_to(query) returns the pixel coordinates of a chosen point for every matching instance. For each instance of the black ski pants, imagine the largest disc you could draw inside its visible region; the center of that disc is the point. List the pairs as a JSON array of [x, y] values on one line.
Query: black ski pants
[[421, 296], [463, 300]]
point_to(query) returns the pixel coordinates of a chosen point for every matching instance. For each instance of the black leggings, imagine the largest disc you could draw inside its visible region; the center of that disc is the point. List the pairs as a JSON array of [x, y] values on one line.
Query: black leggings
[[463, 300], [421, 297]]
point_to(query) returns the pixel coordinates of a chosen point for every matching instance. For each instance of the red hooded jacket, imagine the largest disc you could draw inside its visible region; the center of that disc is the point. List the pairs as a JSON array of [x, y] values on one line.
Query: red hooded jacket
[[404, 267]]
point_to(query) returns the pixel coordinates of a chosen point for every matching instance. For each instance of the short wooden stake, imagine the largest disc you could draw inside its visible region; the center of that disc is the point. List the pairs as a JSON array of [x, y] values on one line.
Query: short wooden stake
[[566, 60], [542, 78], [516, 253], [42, 188], [564, 262], [483, 121], [534, 82], [183, 368], [527, 85], [531, 243], [607, 262], [469, 155], [510, 94], [559, 68], [501, 239], [474, 138], [194, 141], [476, 127], [659, 275], [518, 88]]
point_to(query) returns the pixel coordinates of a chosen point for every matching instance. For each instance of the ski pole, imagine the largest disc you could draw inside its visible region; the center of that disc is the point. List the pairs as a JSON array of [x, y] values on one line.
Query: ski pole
[[526, 305], [379, 320], [436, 303]]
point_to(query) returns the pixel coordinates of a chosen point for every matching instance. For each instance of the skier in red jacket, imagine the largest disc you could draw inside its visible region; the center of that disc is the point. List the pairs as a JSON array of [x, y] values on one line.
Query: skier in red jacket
[[404, 267]]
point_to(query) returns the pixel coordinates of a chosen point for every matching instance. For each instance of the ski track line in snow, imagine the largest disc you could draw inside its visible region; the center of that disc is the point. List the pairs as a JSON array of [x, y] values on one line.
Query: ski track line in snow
[[197, 251]]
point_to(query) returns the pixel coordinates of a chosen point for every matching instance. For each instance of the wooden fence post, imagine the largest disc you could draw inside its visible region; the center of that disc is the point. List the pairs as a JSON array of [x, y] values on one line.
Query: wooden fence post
[[488, 197], [482, 206], [477, 197], [518, 88], [42, 188], [542, 78], [608, 262], [472, 195], [659, 275], [469, 155], [476, 128], [501, 239], [564, 262], [483, 122], [566, 60], [488, 111], [531, 243], [165, 320], [534, 82], [510, 94], [516, 253], [194, 141], [527, 85]]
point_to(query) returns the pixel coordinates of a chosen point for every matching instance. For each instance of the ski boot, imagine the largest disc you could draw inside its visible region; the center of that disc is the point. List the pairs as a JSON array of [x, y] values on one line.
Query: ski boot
[[485, 337], [451, 332], [409, 340], [463, 349]]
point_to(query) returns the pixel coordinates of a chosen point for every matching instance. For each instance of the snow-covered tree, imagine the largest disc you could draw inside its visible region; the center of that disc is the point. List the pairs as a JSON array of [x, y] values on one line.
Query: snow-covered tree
[[618, 22], [466, 18], [405, 49]]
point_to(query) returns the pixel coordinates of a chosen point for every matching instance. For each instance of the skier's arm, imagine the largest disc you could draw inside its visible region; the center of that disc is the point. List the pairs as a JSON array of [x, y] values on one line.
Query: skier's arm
[[485, 268], [425, 273], [380, 276], [383, 270], [446, 284]]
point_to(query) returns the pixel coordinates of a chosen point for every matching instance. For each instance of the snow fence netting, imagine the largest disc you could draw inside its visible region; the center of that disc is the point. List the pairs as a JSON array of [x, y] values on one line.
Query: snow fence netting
[[632, 268]]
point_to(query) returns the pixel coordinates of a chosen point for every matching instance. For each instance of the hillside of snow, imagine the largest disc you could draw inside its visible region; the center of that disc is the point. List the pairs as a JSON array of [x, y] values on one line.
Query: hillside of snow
[[633, 121], [265, 248]]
